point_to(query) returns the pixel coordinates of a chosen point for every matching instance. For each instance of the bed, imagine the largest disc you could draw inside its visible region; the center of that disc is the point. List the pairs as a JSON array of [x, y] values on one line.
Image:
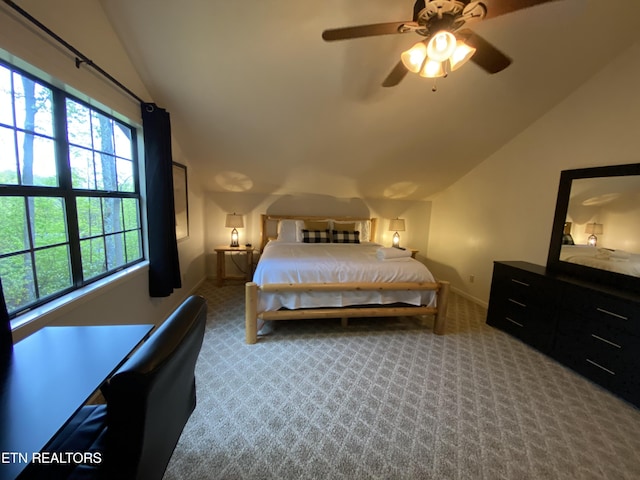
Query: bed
[[309, 271], [617, 261]]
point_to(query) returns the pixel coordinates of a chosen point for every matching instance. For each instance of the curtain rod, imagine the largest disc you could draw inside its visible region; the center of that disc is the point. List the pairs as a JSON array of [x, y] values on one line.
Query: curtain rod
[[80, 57]]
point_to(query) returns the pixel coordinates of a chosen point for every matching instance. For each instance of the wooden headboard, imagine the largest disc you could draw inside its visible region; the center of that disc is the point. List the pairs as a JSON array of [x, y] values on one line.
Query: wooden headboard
[[267, 234]]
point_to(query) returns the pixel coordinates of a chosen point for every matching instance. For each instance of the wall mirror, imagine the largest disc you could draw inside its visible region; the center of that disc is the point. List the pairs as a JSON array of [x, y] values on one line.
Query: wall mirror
[[596, 228]]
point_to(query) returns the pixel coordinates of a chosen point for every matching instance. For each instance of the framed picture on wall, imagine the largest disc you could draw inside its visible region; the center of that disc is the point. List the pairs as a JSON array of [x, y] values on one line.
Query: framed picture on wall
[[181, 200]]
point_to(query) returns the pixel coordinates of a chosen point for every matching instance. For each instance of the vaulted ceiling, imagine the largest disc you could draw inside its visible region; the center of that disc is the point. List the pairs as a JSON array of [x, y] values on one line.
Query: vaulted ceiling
[[261, 104]]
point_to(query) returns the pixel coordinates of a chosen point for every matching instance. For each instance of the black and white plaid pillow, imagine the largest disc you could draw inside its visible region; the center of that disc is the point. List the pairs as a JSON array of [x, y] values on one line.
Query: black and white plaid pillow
[[316, 236], [343, 236]]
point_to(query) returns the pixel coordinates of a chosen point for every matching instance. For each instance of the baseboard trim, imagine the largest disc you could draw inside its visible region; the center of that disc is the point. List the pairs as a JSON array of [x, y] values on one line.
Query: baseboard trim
[[471, 298]]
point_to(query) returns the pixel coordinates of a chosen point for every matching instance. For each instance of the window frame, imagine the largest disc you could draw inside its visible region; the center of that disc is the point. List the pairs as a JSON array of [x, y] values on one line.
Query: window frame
[[69, 194]]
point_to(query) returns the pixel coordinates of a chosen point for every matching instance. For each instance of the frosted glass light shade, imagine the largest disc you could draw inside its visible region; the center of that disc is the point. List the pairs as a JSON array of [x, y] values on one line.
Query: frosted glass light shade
[[461, 55], [433, 69], [413, 58], [441, 46]]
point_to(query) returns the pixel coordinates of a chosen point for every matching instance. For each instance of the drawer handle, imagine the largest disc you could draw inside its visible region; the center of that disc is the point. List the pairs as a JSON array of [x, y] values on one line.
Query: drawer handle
[[605, 340], [517, 302], [513, 321], [519, 282], [600, 366], [602, 310]]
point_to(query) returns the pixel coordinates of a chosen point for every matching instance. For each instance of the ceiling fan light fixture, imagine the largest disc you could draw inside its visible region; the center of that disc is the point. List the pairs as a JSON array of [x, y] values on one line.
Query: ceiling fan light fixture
[[413, 58], [432, 69], [441, 46], [461, 55]]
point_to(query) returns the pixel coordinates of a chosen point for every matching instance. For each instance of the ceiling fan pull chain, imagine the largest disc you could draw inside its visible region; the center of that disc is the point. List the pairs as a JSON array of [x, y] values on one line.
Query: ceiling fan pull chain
[[435, 87]]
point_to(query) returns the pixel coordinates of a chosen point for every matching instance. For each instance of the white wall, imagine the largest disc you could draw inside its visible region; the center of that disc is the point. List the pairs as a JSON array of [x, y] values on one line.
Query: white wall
[[504, 208], [83, 24]]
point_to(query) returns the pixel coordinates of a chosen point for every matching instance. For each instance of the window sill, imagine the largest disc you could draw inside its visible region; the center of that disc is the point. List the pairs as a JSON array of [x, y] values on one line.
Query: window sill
[[71, 301]]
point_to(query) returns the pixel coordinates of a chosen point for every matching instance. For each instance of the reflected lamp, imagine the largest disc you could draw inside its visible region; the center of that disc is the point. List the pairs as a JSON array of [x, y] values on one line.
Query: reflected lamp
[[593, 229]]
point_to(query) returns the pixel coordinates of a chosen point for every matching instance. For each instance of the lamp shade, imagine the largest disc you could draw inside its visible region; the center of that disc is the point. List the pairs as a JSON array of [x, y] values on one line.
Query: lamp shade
[[413, 58], [234, 221], [441, 46], [432, 69], [396, 225], [460, 55], [593, 228]]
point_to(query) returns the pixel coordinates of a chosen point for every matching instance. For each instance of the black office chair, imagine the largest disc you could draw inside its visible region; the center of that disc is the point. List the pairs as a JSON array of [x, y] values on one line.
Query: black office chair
[[149, 400]]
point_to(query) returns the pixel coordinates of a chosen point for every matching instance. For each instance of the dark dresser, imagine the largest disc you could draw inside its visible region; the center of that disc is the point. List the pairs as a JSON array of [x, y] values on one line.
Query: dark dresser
[[594, 330]]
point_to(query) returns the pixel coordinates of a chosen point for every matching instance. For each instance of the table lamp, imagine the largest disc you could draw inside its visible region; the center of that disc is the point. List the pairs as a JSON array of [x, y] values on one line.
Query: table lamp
[[397, 225], [234, 221]]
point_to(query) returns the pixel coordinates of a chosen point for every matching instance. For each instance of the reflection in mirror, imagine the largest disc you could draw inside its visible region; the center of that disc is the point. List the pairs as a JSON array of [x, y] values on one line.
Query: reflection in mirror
[[602, 224]]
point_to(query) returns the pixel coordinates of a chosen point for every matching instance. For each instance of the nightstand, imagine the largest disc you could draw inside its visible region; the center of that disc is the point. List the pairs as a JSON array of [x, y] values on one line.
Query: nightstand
[[221, 268], [413, 252]]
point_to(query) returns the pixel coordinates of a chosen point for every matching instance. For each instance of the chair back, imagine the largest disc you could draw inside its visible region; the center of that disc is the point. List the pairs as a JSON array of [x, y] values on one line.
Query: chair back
[[151, 397]]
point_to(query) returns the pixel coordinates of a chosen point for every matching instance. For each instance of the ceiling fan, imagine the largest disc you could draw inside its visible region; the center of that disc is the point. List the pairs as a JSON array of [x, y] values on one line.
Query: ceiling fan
[[447, 45]]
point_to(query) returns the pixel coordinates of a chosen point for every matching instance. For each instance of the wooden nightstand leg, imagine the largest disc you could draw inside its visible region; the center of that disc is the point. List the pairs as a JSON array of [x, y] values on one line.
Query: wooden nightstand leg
[[249, 274], [220, 272]]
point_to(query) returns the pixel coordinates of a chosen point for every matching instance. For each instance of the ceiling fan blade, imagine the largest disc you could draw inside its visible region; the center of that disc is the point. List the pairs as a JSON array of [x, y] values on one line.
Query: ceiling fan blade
[[496, 8], [396, 75], [487, 57], [375, 29], [417, 8]]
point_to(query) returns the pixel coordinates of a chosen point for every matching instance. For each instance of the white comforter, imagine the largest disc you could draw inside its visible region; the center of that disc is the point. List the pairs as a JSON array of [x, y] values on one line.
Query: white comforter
[[617, 261], [336, 263]]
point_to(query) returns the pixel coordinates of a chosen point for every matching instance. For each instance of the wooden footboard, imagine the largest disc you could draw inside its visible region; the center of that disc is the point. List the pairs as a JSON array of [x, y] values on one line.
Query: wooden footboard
[[252, 316]]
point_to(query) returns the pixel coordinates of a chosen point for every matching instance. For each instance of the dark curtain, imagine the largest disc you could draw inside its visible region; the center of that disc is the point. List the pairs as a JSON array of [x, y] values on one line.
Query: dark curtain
[[6, 340], [164, 268]]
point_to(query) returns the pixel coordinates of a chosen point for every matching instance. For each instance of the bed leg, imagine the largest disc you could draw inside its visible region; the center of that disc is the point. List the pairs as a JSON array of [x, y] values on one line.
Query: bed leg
[[441, 316], [251, 312], [344, 321]]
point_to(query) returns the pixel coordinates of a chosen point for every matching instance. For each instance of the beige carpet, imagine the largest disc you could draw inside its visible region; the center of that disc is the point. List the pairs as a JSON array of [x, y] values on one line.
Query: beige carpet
[[388, 399]]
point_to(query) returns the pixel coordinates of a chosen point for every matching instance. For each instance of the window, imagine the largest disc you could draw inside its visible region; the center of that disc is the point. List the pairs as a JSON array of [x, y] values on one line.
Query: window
[[69, 192]]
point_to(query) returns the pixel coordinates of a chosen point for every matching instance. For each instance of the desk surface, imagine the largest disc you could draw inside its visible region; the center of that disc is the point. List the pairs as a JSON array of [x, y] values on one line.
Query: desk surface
[[50, 375]]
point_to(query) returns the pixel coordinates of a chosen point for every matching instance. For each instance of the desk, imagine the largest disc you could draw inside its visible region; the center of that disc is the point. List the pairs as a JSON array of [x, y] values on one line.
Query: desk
[[221, 270], [50, 375]]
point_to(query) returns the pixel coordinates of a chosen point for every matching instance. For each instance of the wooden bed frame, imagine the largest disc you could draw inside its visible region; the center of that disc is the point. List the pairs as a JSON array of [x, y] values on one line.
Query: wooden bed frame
[[253, 290]]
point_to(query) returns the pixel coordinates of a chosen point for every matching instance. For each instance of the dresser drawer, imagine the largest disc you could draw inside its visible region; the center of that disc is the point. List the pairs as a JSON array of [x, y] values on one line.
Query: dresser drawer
[[614, 366], [522, 304], [603, 312], [523, 286]]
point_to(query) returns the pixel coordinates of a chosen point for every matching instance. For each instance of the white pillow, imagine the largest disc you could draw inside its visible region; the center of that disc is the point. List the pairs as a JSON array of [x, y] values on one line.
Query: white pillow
[[287, 231]]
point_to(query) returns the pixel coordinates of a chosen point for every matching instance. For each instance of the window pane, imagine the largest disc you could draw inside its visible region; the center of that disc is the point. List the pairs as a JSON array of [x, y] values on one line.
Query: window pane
[[6, 97], [89, 216], [48, 217], [130, 208], [82, 174], [93, 260], [115, 251], [8, 164], [123, 139], [33, 106], [17, 281], [78, 124], [13, 225], [133, 246], [112, 214], [53, 270], [125, 175], [106, 172], [102, 133], [37, 160]]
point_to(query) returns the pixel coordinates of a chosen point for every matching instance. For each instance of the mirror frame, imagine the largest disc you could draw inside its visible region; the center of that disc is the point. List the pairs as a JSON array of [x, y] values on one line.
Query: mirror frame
[[590, 274]]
